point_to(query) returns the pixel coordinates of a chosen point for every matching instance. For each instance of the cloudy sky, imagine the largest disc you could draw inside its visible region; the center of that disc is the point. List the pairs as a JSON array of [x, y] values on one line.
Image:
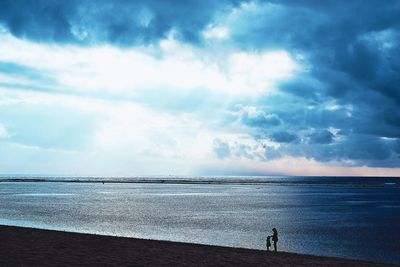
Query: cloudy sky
[[157, 87]]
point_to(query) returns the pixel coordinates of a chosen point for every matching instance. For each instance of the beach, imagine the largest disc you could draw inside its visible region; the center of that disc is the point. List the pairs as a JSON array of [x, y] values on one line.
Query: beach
[[35, 247]]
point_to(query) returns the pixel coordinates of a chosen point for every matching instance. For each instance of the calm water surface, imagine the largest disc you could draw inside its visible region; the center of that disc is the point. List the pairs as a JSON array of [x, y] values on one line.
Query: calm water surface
[[345, 221]]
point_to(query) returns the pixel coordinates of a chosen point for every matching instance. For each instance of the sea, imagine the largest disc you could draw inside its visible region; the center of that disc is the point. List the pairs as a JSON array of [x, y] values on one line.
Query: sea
[[350, 217]]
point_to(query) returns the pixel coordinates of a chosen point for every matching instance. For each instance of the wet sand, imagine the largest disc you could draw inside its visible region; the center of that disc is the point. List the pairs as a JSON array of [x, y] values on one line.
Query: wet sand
[[33, 247]]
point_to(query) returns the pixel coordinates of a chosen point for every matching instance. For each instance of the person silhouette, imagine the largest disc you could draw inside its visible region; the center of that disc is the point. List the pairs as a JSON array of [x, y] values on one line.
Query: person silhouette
[[268, 242], [275, 237]]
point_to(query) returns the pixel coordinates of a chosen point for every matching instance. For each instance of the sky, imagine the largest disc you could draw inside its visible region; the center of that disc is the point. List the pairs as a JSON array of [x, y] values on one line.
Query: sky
[[171, 87]]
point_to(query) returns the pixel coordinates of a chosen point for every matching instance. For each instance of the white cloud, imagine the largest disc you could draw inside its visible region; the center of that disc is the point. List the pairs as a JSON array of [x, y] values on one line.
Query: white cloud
[[3, 131], [110, 70], [126, 138], [215, 32], [129, 137]]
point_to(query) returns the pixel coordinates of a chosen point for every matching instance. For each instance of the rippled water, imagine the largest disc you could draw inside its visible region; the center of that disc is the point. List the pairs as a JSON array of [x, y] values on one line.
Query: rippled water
[[345, 221]]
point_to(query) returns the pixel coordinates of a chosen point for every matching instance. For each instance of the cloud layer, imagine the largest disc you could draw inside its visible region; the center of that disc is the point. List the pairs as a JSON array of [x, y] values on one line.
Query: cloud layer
[[118, 22], [204, 85]]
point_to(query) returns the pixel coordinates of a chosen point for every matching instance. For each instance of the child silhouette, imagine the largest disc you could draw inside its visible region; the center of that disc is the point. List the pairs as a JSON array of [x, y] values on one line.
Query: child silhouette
[[268, 242]]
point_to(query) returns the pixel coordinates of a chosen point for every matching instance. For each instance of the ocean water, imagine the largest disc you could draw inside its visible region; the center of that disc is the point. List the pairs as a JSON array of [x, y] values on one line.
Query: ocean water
[[347, 217]]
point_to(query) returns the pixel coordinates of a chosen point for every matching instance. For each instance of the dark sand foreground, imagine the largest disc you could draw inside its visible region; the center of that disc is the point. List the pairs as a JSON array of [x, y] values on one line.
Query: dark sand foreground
[[34, 247]]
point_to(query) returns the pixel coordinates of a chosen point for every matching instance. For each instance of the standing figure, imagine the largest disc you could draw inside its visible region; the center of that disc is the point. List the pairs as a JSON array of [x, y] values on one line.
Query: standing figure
[[274, 237], [268, 242]]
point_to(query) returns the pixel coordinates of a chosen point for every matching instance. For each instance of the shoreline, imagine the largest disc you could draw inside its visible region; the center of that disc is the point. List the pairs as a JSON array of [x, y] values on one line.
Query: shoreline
[[240, 181], [20, 246]]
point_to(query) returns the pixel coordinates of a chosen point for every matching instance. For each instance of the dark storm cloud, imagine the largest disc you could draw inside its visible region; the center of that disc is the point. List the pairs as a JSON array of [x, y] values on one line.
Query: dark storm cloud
[[351, 80], [396, 146], [283, 137], [359, 149], [321, 137], [121, 22]]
